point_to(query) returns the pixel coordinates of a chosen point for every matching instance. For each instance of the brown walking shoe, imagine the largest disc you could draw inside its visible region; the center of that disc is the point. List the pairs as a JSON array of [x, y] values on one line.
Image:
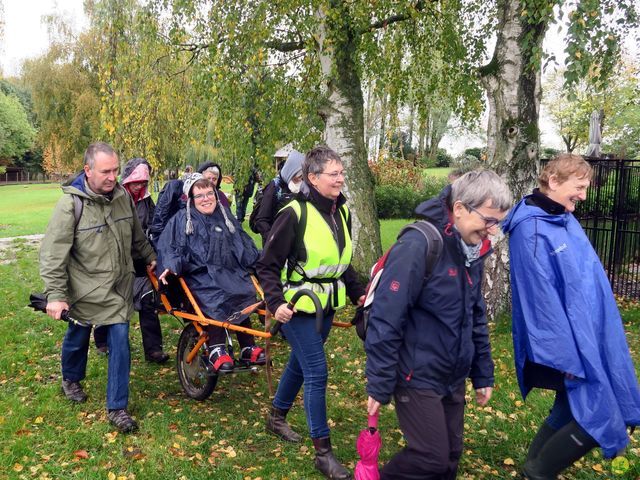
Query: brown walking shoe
[[122, 420], [73, 391], [157, 357]]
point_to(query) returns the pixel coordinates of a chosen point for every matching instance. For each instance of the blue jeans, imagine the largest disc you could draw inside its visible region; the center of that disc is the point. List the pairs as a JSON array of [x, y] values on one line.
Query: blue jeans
[[307, 365], [560, 413], [75, 347]]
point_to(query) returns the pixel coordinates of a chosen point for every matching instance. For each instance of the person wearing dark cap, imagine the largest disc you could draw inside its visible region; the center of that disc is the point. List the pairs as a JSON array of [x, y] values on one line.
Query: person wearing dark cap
[[206, 245], [212, 171]]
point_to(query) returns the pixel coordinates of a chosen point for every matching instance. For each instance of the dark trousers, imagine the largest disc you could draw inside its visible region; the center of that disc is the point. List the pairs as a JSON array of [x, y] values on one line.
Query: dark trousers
[[432, 426], [149, 327], [217, 335]]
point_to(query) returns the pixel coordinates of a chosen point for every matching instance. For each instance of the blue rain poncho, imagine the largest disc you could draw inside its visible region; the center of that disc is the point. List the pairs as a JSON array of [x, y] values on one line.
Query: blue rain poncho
[[213, 261], [565, 317]]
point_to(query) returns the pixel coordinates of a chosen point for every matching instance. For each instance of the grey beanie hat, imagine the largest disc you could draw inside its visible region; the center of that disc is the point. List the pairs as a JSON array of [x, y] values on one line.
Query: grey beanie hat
[[187, 185]]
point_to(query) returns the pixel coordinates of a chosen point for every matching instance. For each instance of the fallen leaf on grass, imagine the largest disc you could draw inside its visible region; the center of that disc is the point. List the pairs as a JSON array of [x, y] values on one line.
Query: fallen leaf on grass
[[81, 454], [598, 468], [509, 461], [39, 420], [17, 467], [134, 453]]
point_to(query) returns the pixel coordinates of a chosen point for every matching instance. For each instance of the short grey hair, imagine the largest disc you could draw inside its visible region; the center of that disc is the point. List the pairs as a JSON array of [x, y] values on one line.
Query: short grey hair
[[474, 188], [316, 160], [93, 149]]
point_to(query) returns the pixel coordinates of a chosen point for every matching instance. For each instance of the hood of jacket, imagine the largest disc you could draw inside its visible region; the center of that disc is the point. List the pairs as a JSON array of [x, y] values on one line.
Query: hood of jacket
[[131, 165], [206, 165]]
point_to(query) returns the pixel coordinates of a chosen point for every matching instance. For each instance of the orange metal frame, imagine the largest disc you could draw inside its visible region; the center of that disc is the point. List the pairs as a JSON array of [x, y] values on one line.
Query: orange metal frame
[[199, 320]]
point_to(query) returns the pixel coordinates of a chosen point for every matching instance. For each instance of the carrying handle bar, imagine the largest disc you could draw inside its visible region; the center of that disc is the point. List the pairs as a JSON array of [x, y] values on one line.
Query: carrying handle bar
[[304, 292]]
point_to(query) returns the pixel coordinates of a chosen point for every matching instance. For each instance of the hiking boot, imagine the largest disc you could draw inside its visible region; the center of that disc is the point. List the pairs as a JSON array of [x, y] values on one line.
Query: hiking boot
[[73, 391], [326, 462], [220, 360], [277, 424], [102, 351], [157, 357], [254, 355], [122, 420]]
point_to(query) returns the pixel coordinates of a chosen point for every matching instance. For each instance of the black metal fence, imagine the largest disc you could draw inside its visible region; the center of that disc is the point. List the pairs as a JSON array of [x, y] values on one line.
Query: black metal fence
[[611, 219]]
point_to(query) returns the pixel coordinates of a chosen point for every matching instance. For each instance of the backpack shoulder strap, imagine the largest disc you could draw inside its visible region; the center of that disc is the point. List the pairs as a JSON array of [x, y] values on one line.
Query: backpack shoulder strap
[[434, 242], [78, 206]]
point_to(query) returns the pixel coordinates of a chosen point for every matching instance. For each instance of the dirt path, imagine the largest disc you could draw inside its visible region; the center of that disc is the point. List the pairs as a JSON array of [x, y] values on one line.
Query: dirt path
[[30, 240]]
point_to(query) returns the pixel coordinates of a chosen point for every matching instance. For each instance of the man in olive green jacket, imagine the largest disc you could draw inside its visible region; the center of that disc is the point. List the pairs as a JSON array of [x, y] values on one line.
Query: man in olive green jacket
[[87, 267]]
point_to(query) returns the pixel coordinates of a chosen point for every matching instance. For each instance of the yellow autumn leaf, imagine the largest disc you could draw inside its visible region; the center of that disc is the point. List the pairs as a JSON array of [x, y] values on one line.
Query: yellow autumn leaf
[[111, 476], [17, 467], [508, 461], [39, 420], [598, 468]]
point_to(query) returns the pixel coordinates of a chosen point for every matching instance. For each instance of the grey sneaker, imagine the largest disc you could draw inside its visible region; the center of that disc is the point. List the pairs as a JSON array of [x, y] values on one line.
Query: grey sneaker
[[122, 420], [73, 391]]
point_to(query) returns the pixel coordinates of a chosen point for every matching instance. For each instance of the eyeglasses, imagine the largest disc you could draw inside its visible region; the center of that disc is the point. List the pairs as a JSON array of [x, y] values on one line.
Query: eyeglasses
[[333, 175], [488, 221], [200, 196]]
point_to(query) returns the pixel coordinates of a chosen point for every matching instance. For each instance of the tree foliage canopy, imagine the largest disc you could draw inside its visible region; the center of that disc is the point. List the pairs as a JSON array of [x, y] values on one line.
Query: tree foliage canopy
[[16, 133]]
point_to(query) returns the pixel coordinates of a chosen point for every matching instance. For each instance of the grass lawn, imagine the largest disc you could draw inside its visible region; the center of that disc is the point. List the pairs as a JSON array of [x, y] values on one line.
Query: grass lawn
[[43, 436], [25, 209], [437, 172]]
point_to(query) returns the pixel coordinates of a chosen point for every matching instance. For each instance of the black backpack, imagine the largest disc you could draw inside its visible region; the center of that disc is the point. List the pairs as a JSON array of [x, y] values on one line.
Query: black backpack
[[257, 201], [432, 255]]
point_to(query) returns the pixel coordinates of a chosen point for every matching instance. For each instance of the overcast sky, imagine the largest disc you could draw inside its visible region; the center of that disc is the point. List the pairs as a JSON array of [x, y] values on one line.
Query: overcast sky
[[25, 35]]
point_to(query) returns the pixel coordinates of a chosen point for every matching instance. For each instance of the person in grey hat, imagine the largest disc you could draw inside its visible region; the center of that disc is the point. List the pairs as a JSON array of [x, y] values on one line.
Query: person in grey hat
[[278, 193], [206, 245]]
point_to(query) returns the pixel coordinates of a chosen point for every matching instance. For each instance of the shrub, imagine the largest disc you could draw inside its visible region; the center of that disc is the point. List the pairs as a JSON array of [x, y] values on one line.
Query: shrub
[[400, 201], [391, 171], [443, 158]]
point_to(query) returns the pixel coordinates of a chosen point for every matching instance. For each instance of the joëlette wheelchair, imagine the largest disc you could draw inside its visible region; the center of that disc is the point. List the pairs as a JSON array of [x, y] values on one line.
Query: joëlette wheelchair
[[197, 377]]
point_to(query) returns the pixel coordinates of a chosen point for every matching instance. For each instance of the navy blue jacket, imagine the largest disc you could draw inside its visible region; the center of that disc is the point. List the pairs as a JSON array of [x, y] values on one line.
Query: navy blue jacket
[[170, 201], [432, 335]]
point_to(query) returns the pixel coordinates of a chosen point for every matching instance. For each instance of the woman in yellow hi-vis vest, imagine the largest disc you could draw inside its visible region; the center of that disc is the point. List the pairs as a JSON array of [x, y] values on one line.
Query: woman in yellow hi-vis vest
[[309, 247]]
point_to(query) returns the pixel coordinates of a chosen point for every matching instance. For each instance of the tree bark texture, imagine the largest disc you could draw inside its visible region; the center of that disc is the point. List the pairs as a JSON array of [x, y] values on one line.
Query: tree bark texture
[[513, 89], [344, 132]]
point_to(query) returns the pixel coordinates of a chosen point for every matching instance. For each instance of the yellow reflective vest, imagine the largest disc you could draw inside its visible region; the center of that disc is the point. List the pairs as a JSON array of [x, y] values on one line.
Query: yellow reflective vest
[[322, 270]]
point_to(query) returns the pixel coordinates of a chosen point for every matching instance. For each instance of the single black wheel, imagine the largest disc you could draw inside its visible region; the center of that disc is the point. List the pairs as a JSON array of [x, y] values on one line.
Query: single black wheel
[[197, 381]]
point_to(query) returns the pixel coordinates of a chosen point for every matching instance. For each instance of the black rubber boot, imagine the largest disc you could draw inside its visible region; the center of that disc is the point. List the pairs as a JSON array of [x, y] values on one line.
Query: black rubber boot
[[326, 462], [544, 434], [567, 445], [277, 424]]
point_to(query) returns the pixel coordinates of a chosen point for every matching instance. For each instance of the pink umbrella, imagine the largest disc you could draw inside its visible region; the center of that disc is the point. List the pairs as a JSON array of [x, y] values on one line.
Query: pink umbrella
[[368, 445]]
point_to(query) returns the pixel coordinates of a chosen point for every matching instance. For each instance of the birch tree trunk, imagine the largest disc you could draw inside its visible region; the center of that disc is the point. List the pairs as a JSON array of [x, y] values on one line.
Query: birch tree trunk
[[344, 132], [512, 83]]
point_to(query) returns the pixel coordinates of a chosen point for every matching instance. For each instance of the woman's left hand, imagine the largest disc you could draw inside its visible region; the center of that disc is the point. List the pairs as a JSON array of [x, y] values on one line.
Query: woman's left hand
[[361, 300], [483, 395]]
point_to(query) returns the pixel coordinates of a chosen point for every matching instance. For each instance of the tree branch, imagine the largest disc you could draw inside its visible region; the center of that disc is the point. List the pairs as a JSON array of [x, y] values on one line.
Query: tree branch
[[285, 46], [418, 7]]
